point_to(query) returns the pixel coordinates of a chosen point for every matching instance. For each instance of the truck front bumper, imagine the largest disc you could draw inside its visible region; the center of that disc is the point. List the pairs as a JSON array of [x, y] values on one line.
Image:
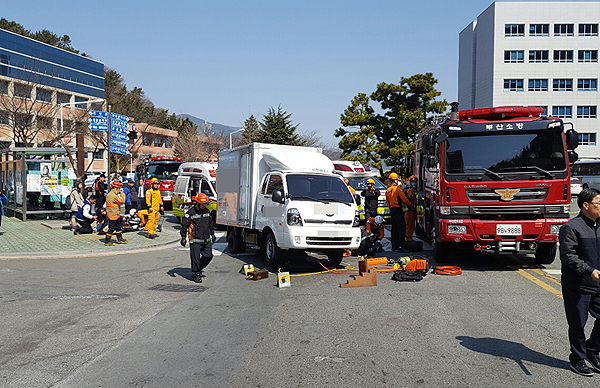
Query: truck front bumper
[[502, 234], [320, 238]]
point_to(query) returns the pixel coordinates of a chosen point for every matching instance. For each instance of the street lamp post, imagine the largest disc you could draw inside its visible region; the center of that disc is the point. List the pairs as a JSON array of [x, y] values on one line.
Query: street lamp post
[[79, 142], [231, 133]]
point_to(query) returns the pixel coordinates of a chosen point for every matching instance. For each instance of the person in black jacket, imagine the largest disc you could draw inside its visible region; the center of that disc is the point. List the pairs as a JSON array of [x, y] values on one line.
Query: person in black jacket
[[100, 188], [197, 226], [580, 257], [371, 195]]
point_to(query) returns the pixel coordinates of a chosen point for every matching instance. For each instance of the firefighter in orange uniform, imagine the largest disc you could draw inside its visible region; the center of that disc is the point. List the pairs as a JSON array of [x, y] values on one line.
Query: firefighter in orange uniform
[[395, 198], [411, 214], [155, 206], [114, 199]]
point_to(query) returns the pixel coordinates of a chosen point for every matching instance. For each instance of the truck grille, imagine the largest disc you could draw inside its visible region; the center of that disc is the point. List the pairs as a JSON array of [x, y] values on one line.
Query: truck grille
[[526, 194], [325, 222], [323, 241]]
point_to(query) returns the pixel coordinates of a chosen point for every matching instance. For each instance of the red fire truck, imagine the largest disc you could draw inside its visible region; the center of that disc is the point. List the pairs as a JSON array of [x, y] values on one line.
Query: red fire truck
[[164, 168], [495, 179]]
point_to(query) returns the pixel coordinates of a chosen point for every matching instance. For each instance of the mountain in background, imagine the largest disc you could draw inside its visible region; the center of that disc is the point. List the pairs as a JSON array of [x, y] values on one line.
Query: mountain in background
[[226, 129]]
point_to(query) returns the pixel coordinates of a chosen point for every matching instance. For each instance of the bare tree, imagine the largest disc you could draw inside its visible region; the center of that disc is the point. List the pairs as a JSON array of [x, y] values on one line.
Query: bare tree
[[194, 147]]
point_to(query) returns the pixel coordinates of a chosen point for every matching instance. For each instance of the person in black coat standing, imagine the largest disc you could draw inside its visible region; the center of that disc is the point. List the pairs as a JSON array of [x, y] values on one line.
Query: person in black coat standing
[[100, 188], [371, 195], [198, 227], [580, 277]]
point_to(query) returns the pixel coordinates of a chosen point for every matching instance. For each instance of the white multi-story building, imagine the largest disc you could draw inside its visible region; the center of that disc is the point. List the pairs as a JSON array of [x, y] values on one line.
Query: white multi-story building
[[536, 53]]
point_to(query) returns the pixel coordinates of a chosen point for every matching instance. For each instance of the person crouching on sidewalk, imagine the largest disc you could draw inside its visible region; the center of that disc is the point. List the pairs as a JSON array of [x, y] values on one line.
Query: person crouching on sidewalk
[[197, 225], [84, 216], [114, 200]]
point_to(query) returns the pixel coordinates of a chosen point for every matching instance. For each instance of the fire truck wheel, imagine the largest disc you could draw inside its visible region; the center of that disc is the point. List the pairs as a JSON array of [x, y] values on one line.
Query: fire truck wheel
[[335, 257], [273, 255], [545, 253]]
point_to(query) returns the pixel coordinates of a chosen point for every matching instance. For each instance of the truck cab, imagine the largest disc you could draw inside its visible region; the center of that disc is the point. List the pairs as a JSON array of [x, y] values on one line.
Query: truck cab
[[191, 181]]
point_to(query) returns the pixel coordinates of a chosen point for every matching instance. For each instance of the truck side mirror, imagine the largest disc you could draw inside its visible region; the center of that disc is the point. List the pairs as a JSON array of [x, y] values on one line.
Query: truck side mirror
[[430, 161], [277, 196], [572, 139], [427, 144], [357, 199], [573, 157]]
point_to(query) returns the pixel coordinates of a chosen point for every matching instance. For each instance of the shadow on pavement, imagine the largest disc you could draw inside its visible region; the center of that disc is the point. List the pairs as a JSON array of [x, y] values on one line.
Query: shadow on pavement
[[185, 273], [511, 350]]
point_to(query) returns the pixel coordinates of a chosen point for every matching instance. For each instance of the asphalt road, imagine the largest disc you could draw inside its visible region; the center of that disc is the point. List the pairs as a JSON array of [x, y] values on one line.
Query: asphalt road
[[137, 321]]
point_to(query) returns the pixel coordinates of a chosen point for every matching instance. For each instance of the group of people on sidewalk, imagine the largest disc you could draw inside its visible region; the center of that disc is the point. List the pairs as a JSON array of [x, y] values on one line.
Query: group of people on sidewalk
[[102, 206]]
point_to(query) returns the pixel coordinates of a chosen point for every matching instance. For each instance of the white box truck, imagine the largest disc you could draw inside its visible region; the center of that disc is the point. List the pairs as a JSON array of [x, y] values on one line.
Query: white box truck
[[284, 198]]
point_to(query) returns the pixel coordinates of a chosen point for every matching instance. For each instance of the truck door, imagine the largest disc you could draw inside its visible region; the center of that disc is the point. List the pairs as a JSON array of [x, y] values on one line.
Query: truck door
[[271, 213], [180, 195]]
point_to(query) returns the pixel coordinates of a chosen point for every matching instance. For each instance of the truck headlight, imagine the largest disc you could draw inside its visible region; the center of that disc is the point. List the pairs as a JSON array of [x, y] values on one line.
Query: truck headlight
[[293, 217], [356, 221], [554, 229], [457, 229]]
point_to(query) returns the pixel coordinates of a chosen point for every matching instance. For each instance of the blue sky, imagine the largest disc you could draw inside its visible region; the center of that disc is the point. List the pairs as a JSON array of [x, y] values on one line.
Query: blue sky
[[225, 60]]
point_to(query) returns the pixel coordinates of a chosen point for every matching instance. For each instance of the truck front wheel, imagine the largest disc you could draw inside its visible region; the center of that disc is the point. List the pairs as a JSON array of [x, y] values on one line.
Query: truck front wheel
[[335, 257], [273, 254], [545, 253]]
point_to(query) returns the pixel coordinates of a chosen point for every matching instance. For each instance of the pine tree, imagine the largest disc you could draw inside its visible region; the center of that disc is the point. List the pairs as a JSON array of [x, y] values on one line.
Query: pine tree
[[277, 128]]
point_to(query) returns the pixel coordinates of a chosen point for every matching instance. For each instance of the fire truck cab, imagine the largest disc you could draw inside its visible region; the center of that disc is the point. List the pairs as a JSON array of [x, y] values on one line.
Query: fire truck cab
[[495, 179], [164, 168]]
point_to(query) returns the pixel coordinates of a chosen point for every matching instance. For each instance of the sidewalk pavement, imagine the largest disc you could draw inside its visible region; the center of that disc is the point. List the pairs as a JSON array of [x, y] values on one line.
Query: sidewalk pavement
[[31, 239]]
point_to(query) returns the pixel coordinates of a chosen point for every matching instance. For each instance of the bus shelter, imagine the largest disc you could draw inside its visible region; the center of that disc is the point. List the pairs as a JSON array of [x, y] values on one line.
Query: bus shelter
[[36, 182]]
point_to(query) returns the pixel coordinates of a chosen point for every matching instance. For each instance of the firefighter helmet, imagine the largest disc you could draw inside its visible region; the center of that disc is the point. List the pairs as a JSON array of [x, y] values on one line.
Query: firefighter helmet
[[370, 181], [378, 220], [153, 180], [393, 176], [116, 184], [200, 198]]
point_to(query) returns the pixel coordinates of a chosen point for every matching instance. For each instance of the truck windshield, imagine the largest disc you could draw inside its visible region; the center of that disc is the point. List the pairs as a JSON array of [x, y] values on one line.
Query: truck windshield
[[162, 171], [506, 154], [318, 187]]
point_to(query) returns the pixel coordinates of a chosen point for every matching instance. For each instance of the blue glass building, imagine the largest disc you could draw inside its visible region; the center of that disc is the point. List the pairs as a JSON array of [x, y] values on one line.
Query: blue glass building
[[25, 59]]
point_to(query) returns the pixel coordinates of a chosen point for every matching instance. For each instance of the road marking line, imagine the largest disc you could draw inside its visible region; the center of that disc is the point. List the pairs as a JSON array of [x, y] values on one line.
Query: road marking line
[[546, 275], [553, 271], [538, 282]]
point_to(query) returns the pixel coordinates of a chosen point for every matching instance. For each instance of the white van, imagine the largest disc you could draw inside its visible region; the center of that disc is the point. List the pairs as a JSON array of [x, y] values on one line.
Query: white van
[[191, 181]]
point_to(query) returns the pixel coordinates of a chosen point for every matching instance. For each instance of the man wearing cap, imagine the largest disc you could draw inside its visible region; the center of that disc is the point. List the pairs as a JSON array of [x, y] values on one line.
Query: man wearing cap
[[197, 226], [155, 206], [371, 195], [394, 198], [114, 200]]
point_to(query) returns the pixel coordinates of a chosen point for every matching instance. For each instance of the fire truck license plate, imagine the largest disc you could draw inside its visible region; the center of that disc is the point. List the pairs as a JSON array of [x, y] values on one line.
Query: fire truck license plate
[[509, 230]]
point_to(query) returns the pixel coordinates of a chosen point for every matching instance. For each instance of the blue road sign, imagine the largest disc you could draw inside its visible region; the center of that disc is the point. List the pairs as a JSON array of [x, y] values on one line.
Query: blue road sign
[[118, 143], [116, 116], [98, 127], [119, 150], [119, 130], [98, 113], [119, 124], [118, 136], [98, 120]]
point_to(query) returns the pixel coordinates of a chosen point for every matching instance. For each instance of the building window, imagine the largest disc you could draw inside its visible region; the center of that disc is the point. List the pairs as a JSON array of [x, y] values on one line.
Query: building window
[[146, 140], [586, 112], [45, 122], [80, 99], [588, 30], [539, 29], [43, 95], [22, 91], [168, 143], [514, 30], [158, 141], [23, 120], [538, 85], [563, 30], [99, 154], [538, 56], [62, 98], [513, 85], [545, 108], [562, 85], [587, 138], [565, 112], [3, 87], [587, 84], [563, 56], [3, 118], [587, 55], [513, 56]]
